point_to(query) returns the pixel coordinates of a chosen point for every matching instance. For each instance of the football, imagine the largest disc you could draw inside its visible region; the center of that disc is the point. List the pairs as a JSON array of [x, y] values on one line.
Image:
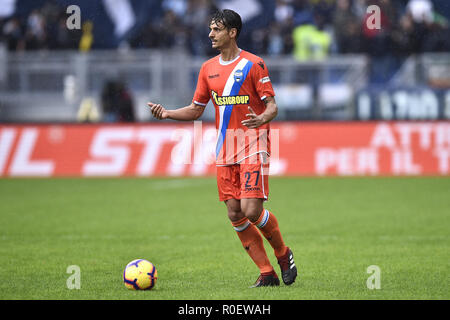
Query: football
[[140, 274]]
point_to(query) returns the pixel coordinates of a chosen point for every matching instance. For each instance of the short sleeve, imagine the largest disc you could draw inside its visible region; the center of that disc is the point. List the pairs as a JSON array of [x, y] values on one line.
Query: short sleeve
[[201, 95], [262, 81]]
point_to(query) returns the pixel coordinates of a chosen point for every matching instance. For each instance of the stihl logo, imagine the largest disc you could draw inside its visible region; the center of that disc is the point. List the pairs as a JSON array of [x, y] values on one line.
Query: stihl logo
[[106, 151], [110, 152], [20, 158], [112, 149], [400, 148]]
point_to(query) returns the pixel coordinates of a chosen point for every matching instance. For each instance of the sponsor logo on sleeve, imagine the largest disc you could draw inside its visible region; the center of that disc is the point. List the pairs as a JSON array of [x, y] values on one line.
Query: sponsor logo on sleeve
[[264, 80]]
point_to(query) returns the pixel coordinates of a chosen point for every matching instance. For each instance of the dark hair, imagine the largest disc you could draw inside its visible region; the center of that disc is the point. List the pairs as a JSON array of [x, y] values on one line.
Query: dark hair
[[229, 18]]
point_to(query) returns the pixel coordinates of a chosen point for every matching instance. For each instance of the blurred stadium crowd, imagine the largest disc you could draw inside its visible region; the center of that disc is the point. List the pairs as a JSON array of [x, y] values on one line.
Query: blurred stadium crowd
[[306, 28]]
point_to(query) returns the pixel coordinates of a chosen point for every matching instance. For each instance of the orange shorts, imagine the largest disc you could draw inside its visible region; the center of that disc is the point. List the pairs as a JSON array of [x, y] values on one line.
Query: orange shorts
[[247, 179]]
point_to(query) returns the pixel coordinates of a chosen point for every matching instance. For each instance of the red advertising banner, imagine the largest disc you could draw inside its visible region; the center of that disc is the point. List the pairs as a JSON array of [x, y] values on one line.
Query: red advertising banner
[[338, 149]]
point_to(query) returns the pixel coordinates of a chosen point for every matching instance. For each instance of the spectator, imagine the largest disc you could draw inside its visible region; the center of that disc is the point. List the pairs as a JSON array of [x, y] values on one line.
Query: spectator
[[87, 38], [311, 41], [117, 103], [177, 7], [376, 40], [403, 37], [144, 38], [14, 35], [325, 8], [303, 12], [65, 38], [276, 41], [51, 12], [438, 39], [196, 20], [430, 28], [420, 10], [284, 11], [183, 24], [36, 35], [171, 31], [347, 28], [280, 34], [126, 106]]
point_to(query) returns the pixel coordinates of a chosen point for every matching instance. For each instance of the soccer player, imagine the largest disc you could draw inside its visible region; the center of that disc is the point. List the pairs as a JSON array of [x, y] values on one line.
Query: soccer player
[[239, 86]]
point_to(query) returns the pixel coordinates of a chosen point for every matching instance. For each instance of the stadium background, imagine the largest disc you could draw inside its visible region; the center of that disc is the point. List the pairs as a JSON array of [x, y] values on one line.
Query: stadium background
[[352, 102], [325, 64]]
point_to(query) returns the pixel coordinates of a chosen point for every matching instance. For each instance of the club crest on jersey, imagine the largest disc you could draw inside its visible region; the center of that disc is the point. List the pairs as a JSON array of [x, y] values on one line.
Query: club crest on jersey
[[238, 75], [229, 100]]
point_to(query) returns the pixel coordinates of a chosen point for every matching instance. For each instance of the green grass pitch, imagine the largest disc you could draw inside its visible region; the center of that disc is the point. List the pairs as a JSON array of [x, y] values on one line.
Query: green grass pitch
[[336, 227]]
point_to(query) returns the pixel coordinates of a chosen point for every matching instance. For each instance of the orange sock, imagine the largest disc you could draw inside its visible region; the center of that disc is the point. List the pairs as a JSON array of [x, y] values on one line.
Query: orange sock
[[268, 225], [253, 244]]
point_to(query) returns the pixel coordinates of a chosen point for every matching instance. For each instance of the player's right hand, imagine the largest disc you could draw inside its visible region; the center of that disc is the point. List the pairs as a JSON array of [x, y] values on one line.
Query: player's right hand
[[158, 111]]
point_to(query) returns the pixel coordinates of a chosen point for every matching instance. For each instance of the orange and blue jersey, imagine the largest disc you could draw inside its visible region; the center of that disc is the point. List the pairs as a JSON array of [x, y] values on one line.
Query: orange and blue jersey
[[233, 86]]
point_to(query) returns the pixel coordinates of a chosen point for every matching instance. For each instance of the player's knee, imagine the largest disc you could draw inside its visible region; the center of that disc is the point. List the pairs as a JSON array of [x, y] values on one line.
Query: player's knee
[[235, 215], [252, 211], [234, 210], [252, 214], [252, 208]]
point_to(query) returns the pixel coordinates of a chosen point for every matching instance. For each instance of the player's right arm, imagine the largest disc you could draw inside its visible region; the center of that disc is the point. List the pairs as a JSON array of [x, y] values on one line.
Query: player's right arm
[[188, 113]]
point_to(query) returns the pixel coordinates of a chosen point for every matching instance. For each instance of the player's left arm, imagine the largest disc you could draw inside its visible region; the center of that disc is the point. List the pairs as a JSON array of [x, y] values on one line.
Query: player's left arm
[[254, 120], [263, 86]]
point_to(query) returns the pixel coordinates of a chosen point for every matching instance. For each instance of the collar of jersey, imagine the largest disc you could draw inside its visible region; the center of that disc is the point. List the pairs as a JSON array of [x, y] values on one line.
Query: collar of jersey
[[224, 63]]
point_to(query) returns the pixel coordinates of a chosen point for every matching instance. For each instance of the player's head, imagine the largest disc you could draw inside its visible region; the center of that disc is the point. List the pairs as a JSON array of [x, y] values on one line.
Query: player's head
[[225, 26]]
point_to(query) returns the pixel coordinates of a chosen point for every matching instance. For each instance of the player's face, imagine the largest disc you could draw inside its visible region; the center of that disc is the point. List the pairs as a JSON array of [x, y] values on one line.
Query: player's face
[[219, 35]]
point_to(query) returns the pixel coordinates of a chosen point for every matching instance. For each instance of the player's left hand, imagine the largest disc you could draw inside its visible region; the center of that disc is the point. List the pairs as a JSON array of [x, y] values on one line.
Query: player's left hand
[[254, 120]]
